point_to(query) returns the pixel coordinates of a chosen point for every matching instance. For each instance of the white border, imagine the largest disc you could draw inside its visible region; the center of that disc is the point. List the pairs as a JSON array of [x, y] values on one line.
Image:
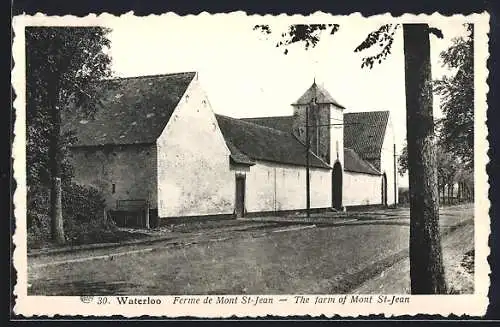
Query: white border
[[473, 305]]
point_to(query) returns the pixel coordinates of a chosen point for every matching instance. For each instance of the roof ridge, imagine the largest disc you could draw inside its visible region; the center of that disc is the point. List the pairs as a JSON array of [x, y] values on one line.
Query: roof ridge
[[364, 112], [262, 117], [119, 78], [254, 124]]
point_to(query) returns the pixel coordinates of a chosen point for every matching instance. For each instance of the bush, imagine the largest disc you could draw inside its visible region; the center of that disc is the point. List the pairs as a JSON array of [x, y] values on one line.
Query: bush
[[37, 215], [83, 215], [82, 204], [83, 212]]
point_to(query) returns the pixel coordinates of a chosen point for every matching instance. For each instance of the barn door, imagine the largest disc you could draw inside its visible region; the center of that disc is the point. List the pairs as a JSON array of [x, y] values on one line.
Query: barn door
[[337, 186], [240, 196]]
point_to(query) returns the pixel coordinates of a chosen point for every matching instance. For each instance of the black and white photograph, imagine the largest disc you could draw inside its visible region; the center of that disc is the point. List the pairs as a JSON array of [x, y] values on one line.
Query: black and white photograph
[[313, 164]]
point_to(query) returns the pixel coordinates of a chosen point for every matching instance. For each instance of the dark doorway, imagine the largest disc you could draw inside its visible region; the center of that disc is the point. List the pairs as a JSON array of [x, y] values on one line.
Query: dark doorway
[[384, 189], [337, 186], [240, 196]]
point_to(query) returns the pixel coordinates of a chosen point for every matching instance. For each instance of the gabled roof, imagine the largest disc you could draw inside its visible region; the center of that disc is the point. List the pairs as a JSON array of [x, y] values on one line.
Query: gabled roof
[[364, 132], [281, 123], [320, 94], [263, 143], [133, 110], [354, 163]]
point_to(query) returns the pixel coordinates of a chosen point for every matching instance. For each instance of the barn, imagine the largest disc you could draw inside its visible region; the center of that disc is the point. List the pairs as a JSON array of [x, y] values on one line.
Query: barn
[[156, 140]]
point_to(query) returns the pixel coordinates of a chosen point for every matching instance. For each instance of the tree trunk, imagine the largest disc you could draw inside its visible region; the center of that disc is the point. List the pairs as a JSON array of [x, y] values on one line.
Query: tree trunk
[[55, 157], [452, 193], [449, 194], [445, 197], [426, 263]]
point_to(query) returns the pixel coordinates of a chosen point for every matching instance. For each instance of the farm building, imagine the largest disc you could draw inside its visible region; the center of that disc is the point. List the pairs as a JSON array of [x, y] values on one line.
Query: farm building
[[156, 139]]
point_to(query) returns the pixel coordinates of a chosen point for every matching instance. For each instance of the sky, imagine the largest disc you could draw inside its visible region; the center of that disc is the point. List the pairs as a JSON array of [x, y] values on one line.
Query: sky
[[245, 75]]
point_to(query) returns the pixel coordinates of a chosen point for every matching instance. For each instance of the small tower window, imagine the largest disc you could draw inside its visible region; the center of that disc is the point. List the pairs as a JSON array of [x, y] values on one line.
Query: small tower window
[[113, 188]]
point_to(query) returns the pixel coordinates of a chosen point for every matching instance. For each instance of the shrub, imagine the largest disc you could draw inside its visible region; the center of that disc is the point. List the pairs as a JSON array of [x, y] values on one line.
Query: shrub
[[82, 204], [83, 215], [83, 212], [37, 215]]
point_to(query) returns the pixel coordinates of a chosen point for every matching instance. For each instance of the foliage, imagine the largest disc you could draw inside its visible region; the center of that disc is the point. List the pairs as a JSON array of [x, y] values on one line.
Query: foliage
[[83, 209], [384, 37], [450, 170], [447, 167], [65, 62], [62, 65], [82, 203], [308, 34], [403, 161], [457, 98]]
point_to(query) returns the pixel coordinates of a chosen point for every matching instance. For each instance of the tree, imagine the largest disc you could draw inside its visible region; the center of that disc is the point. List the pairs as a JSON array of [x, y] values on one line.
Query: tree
[[450, 171], [426, 264], [62, 65], [455, 156], [403, 161], [457, 98]]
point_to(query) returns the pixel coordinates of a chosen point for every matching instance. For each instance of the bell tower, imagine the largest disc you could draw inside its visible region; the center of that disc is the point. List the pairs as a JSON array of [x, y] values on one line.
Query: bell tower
[[325, 121]]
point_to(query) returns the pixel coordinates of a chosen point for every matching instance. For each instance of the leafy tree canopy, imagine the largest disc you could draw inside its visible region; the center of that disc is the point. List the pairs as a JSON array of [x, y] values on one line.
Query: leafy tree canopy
[[309, 35], [62, 64], [457, 98]]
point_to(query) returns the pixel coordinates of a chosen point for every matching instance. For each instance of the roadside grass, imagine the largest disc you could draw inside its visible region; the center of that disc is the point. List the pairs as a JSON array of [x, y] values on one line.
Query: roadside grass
[[458, 262], [83, 234]]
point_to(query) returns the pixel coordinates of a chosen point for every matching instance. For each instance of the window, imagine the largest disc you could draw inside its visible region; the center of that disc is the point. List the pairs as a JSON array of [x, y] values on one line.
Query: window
[[113, 188]]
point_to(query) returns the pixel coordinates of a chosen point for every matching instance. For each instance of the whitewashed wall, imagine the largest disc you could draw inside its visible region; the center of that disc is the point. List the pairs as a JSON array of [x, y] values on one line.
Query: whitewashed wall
[[361, 189], [337, 135], [275, 187], [387, 162], [194, 176]]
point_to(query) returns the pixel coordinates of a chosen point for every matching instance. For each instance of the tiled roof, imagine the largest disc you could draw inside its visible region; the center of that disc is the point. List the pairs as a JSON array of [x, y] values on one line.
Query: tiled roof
[[134, 110], [353, 163], [263, 143], [282, 123], [321, 95], [237, 156], [364, 133]]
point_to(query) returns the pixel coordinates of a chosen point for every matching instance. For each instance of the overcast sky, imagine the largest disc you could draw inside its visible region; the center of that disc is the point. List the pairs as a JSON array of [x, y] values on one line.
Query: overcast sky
[[245, 75]]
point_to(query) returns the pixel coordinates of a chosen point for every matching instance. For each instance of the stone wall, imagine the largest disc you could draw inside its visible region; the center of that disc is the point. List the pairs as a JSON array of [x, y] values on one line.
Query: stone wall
[[126, 172]]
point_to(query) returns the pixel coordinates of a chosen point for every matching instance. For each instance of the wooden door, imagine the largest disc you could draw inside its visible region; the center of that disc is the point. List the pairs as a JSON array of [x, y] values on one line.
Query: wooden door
[[337, 186], [240, 196]]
